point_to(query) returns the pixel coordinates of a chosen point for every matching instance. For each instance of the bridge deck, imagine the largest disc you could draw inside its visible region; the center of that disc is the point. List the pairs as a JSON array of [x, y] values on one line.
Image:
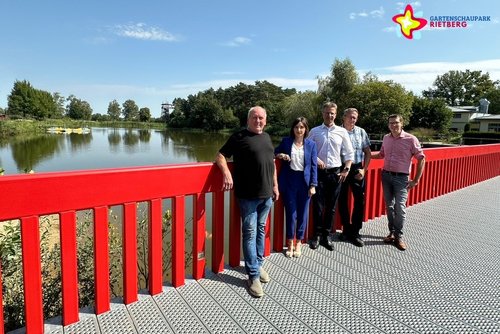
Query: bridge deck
[[448, 281]]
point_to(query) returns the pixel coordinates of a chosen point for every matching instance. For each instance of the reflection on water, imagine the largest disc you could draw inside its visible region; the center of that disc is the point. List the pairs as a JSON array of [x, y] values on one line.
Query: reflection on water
[[114, 139], [199, 146], [107, 148], [79, 142], [28, 153]]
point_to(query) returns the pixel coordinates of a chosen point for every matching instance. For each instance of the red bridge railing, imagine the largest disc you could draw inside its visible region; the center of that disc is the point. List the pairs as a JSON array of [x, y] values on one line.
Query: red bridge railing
[[27, 197]]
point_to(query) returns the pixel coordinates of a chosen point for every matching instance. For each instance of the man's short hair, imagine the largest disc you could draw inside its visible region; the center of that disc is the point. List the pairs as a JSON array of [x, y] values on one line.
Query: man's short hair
[[348, 110], [253, 108], [329, 105], [398, 116]]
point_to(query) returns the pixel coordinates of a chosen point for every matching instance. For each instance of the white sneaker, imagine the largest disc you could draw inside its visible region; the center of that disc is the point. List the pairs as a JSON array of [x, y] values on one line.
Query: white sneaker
[[255, 288]]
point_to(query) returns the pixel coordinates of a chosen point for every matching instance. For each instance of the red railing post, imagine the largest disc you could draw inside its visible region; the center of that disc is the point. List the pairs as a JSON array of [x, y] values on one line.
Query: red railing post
[[69, 267], [278, 226], [199, 236], [101, 259], [411, 199], [178, 243], [370, 194], [155, 249], [217, 231], [430, 182], [267, 229], [32, 274], [379, 194], [234, 231], [130, 252]]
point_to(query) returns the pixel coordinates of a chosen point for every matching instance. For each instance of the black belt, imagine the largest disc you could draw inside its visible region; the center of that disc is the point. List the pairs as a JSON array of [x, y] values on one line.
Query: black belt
[[331, 170], [395, 173]]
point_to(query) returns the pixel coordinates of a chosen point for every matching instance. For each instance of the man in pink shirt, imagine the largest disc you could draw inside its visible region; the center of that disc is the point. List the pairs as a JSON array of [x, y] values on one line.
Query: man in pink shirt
[[398, 148]]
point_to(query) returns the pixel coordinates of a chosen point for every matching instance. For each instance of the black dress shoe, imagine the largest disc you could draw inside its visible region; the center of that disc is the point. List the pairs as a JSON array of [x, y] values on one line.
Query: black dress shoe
[[314, 243], [357, 241], [343, 237], [327, 242]]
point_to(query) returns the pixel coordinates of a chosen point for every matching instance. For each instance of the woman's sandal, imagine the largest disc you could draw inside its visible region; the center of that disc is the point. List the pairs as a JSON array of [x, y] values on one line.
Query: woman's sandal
[[289, 252], [298, 250]]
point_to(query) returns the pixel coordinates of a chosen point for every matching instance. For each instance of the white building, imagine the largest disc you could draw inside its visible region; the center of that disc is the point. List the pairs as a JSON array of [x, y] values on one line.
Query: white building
[[482, 122]]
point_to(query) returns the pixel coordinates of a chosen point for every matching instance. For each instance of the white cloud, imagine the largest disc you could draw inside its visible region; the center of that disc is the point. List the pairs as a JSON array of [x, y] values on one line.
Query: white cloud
[[237, 41], [402, 5], [144, 32], [377, 13], [420, 76]]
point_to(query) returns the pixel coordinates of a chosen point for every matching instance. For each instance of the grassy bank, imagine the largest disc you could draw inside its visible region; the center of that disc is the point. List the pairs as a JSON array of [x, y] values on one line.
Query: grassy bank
[[12, 128]]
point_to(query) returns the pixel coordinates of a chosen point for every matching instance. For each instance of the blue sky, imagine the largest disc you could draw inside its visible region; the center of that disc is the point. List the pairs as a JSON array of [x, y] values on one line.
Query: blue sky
[[155, 51]]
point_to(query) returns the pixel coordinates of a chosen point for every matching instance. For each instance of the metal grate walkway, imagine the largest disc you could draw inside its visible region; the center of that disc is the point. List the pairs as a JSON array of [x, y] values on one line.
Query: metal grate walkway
[[448, 281]]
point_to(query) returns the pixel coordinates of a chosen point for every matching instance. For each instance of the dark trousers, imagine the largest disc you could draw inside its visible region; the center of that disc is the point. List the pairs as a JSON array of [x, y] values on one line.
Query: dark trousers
[[324, 200], [352, 224]]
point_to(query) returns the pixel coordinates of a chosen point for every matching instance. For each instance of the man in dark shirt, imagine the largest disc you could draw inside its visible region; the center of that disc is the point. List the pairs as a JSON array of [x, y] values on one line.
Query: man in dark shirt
[[255, 185]]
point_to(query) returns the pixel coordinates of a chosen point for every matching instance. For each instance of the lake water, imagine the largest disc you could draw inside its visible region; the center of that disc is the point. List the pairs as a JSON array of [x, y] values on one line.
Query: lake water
[[107, 148]]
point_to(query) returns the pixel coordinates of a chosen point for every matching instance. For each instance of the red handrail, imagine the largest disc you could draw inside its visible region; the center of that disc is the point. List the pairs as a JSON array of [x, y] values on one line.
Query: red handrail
[[27, 197]]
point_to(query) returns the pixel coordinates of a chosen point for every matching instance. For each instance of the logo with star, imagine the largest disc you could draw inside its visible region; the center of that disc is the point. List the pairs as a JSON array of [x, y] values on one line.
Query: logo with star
[[409, 23]]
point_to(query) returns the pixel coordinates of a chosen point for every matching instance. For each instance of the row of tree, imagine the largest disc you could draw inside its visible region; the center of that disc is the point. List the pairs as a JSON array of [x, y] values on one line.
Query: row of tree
[[25, 101], [227, 108], [375, 99]]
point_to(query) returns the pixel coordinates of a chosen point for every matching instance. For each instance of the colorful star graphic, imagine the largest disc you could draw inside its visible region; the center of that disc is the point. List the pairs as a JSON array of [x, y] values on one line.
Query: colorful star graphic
[[408, 22]]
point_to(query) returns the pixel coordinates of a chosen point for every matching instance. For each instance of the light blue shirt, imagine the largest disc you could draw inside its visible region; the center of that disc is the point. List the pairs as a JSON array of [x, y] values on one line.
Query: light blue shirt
[[360, 141]]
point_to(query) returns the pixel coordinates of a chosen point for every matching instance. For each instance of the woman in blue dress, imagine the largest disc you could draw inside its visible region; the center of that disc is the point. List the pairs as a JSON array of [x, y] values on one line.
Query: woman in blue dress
[[297, 181]]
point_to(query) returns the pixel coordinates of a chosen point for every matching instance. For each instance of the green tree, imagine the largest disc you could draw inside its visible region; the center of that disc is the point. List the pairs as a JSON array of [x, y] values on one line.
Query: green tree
[[341, 81], [60, 108], [376, 100], [144, 114], [20, 101], [240, 98], [493, 96], [44, 105], [114, 110], [78, 109], [100, 118], [460, 88], [130, 110], [207, 113], [306, 104], [177, 118], [26, 101], [430, 114]]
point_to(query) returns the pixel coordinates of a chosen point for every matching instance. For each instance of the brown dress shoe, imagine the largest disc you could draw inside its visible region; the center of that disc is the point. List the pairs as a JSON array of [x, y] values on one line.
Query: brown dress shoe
[[389, 239], [400, 244]]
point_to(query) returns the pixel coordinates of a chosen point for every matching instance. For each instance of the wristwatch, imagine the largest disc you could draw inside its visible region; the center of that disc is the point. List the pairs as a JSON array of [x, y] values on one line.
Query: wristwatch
[[346, 169]]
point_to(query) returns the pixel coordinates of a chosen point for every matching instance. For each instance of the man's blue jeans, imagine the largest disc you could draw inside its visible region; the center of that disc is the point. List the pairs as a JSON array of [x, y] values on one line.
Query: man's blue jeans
[[395, 196], [253, 222]]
